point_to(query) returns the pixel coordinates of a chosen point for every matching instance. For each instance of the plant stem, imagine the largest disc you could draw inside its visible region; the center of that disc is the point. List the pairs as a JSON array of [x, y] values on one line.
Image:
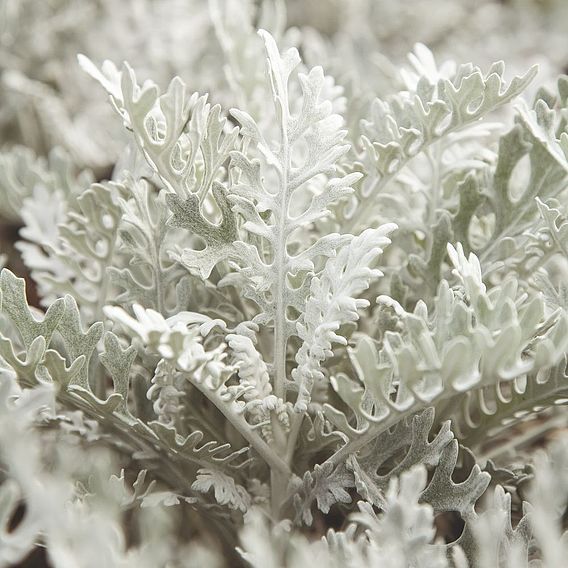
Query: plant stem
[[232, 412], [434, 157], [295, 426], [280, 267]]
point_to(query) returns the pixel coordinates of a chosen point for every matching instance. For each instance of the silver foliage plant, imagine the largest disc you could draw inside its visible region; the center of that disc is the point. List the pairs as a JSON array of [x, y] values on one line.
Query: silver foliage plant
[[313, 328]]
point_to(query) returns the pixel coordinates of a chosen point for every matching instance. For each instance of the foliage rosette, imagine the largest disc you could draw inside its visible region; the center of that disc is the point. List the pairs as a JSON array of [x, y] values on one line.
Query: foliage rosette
[[295, 322]]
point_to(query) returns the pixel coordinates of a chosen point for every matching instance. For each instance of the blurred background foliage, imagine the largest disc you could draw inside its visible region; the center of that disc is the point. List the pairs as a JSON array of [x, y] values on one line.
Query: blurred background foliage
[[47, 101]]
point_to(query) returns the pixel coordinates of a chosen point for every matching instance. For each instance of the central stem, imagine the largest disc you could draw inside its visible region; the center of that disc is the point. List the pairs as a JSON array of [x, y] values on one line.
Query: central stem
[[434, 157], [279, 480], [280, 267]]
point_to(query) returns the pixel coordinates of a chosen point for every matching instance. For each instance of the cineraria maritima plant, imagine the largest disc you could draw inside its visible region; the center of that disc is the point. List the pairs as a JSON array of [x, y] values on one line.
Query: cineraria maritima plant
[[320, 326]]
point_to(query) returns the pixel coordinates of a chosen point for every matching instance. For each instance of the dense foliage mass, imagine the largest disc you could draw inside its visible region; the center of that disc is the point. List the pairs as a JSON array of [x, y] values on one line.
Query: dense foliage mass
[[289, 317]]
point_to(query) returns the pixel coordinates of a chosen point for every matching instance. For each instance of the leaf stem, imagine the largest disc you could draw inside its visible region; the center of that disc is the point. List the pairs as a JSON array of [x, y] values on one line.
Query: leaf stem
[[280, 266], [233, 414], [295, 426]]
